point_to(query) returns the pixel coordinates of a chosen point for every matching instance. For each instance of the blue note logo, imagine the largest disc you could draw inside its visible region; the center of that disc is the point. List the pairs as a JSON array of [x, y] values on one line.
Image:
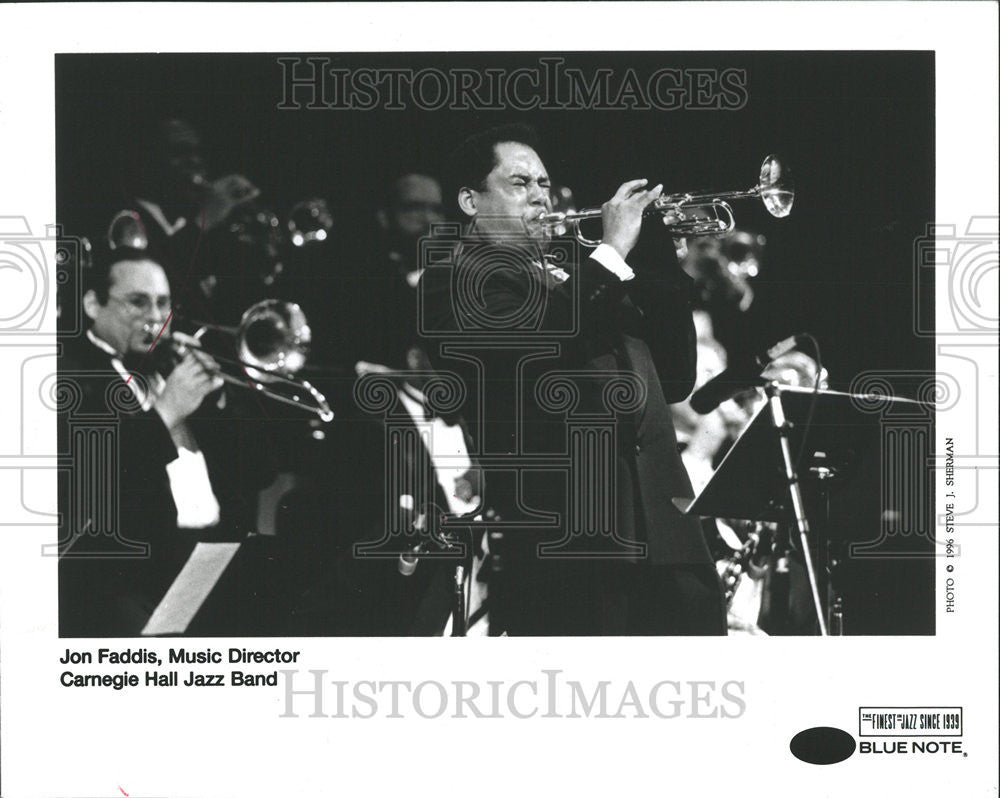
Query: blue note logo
[[822, 745]]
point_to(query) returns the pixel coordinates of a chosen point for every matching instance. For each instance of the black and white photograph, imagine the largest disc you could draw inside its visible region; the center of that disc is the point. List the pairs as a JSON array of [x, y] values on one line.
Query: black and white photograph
[[328, 346], [405, 320]]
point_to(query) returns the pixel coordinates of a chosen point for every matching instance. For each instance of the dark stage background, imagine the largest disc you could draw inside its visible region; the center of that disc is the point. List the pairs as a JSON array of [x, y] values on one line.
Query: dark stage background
[[857, 128]]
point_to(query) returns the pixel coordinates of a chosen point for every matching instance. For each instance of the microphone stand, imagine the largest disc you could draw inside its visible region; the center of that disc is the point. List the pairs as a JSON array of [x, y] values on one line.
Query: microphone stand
[[458, 620], [408, 564], [463, 568], [782, 427], [833, 553]]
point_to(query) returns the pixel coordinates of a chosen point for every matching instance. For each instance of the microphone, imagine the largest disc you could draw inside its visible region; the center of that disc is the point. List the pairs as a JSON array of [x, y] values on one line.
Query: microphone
[[437, 541], [761, 553], [410, 558], [744, 373]]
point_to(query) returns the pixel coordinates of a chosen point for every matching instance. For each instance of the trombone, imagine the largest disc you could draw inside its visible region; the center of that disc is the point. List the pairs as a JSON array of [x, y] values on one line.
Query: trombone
[[775, 189], [272, 342]]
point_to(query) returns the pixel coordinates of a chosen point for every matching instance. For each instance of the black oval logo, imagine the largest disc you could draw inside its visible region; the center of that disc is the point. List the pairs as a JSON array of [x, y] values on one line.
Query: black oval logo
[[822, 745]]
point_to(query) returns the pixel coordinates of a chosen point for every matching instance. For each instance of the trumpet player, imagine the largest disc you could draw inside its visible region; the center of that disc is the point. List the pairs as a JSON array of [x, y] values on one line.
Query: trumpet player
[[666, 584], [179, 471]]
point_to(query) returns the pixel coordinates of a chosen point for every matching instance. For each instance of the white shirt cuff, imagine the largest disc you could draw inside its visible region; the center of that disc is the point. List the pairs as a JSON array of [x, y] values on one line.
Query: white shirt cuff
[[191, 487], [609, 258]]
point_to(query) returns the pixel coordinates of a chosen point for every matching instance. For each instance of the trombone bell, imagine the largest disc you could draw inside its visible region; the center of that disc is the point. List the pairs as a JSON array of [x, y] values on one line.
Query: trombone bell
[[274, 337], [272, 343]]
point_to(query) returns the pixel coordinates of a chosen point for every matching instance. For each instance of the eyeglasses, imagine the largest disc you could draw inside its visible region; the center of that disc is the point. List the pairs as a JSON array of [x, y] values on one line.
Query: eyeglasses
[[142, 304]]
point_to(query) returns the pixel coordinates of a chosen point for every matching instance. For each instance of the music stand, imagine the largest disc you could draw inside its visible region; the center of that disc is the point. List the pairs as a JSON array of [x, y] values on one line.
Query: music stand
[[758, 479]]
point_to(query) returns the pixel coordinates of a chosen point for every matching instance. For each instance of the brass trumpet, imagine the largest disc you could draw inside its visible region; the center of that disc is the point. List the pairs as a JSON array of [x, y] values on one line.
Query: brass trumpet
[[272, 343], [775, 189]]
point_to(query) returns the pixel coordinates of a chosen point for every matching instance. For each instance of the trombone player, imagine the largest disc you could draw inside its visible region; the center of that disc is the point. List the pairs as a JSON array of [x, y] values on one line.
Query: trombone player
[[186, 470]]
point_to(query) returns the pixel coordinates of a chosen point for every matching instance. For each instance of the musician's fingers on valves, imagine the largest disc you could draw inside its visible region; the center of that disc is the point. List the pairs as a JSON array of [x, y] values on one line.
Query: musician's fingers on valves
[[622, 214]]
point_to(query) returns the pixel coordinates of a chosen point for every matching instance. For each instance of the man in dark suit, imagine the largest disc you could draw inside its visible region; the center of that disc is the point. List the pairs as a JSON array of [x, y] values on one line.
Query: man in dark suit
[[589, 541], [155, 464]]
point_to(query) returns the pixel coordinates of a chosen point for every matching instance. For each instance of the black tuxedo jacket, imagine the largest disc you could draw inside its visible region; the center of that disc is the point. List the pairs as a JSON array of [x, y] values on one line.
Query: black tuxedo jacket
[[498, 301]]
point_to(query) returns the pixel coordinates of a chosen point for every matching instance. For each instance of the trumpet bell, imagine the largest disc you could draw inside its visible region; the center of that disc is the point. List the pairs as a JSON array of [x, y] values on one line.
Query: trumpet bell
[[696, 213], [777, 190], [126, 230], [274, 337]]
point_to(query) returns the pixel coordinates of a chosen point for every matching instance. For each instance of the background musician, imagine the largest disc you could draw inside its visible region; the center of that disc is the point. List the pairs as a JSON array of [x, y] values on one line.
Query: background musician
[[343, 590], [219, 244]]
